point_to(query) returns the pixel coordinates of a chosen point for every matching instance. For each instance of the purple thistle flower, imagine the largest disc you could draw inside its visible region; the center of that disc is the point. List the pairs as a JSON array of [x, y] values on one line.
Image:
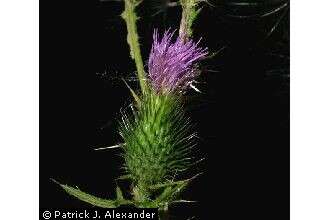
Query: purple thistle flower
[[173, 64]]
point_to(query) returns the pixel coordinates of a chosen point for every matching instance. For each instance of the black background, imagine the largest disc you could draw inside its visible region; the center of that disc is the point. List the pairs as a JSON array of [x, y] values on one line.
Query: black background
[[242, 115]]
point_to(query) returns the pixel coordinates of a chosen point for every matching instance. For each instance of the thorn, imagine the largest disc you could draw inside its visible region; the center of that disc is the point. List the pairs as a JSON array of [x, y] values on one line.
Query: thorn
[[110, 147], [53, 180], [183, 201], [137, 99], [194, 88], [194, 177]]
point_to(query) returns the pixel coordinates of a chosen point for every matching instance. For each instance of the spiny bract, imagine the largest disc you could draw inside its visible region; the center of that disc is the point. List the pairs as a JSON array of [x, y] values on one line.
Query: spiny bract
[[158, 139]]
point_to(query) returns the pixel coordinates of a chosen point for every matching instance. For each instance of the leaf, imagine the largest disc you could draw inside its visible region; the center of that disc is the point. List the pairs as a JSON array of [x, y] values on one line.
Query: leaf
[[93, 200]]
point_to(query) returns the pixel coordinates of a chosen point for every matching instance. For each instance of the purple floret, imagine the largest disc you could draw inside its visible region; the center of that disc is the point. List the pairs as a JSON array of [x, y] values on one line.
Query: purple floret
[[173, 64]]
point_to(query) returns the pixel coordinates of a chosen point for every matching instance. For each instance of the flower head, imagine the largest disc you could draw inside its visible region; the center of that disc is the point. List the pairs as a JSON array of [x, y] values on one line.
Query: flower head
[[173, 64]]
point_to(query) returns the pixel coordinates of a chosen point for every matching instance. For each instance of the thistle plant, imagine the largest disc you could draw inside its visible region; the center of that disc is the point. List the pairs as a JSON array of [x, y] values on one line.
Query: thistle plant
[[158, 138]]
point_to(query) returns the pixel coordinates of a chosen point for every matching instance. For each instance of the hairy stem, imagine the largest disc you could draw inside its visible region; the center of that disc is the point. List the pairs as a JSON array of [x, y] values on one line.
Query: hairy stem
[[189, 14], [130, 18]]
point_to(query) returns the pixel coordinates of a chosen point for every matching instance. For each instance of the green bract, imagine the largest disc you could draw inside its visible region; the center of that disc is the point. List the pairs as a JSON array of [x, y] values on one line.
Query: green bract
[[158, 140]]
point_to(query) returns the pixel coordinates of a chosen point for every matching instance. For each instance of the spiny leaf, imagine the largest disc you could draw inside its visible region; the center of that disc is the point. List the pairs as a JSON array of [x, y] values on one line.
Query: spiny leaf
[[93, 200]]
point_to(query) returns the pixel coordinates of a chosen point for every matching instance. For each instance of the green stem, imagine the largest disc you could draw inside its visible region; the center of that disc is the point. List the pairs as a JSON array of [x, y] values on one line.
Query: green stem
[[189, 14], [133, 39]]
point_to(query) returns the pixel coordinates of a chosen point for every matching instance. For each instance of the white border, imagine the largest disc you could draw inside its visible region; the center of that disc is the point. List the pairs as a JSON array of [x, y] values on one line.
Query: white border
[[19, 33], [310, 110]]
